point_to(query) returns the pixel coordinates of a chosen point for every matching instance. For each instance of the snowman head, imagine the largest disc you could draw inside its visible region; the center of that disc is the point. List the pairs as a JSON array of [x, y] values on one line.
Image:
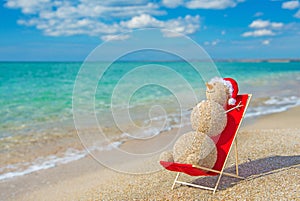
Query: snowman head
[[222, 91]]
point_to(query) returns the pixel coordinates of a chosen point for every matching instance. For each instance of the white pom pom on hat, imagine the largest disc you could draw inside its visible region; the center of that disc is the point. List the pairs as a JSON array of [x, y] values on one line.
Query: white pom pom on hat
[[231, 101], [232, 86]]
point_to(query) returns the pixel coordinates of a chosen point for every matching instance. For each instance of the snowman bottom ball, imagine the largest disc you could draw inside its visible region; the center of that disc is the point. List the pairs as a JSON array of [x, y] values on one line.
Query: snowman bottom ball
[[166, 156], [195, 148]]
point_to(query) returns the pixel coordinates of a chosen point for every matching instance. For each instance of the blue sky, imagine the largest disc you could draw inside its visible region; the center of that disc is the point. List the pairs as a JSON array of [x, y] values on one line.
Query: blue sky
[[68, 30]]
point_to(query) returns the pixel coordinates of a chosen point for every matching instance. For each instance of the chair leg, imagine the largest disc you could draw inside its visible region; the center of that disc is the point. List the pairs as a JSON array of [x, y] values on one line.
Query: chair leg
[[236, 158], [217, 184], [175, 180]]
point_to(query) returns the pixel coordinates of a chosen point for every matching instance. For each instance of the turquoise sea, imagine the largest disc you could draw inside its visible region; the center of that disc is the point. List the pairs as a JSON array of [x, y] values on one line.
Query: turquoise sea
[[36, 97]]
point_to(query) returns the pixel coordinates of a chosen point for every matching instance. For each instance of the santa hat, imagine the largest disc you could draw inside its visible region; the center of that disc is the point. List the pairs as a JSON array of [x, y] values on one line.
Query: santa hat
[[233, 90], [232, 86]]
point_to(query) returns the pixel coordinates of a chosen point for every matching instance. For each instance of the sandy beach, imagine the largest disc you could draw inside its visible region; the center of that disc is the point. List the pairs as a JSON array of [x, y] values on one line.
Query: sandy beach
[[269, 158]]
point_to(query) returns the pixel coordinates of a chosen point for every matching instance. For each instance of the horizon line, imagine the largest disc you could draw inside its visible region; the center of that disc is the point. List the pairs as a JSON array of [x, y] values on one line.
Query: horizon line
[[161, 60]]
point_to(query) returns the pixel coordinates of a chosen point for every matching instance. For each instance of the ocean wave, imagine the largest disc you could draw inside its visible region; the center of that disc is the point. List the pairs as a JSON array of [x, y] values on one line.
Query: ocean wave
[[274, 104], [42, 163]]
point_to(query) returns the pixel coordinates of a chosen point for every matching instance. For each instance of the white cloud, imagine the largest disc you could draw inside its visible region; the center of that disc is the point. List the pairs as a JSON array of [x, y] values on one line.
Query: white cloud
[[297, 15], [258, 14], [212, 43], [276, 25], [85, 8], [186, 25], [142, 21], [215, 42], [69, 27], [172, 3], [263, 28], [28, 7], [104, 19], [201, 4], [223, 32], [259, 32], [211, 4], [266, 42], [259, 24], [290, 5], [115, 37]]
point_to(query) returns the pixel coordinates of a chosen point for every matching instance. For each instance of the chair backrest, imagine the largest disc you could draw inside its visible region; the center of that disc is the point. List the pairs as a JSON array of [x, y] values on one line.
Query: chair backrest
[[225, 140]]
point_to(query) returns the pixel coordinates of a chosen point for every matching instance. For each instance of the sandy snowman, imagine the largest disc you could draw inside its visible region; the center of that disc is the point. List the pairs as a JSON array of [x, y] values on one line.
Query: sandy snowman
[[208, 119]]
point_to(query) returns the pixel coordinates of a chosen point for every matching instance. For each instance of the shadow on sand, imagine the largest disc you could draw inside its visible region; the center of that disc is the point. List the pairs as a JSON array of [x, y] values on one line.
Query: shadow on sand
[[252, 170]]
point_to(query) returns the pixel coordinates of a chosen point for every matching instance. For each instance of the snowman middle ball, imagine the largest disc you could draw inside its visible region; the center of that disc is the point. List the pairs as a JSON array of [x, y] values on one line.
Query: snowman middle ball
[[208, 117]]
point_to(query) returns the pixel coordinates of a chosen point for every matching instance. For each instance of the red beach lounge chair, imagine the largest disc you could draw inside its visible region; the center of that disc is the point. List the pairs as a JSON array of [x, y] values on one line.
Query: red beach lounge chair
[[223, 143]]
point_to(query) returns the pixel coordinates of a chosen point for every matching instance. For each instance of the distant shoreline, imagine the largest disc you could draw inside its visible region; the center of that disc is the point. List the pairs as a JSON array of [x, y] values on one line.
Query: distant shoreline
[[258, 60]]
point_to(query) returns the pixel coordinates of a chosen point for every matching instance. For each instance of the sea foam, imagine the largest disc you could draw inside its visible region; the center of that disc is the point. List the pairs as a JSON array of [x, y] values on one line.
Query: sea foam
[[274, 104]]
